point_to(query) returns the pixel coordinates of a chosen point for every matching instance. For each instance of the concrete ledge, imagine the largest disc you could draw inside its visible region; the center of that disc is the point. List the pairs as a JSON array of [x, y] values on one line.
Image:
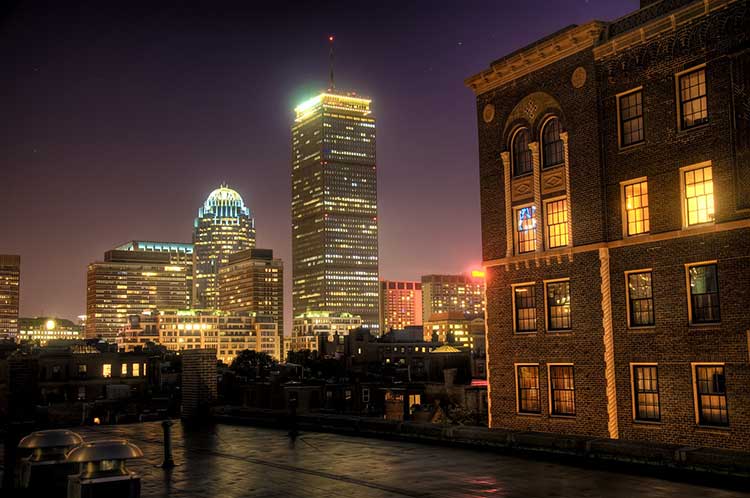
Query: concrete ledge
[[686, 462]]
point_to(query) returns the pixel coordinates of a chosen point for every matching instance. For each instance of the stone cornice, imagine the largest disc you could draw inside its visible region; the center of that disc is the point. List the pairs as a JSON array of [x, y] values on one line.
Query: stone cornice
[[658, 27], [536, 56]]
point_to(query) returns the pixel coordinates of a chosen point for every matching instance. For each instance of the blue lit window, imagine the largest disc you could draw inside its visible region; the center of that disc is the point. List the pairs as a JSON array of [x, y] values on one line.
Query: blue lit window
[[526, 229]]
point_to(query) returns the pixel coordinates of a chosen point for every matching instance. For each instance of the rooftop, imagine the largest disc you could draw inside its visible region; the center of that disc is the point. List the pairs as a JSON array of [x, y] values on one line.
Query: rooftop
[[257, 462]]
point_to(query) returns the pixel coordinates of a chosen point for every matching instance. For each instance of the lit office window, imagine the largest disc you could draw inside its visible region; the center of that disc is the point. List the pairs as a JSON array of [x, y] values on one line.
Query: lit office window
[[557, 223], [558, 306], [646, 392], [699, 195], [704, 294], [711, 395], [522, 163], [124, 369], [107, 370], [631, 118], [636, 208], [525, 302], [526, 229], [693, 107], [562, 390], [640, 299], [136, 367], [528, 389]]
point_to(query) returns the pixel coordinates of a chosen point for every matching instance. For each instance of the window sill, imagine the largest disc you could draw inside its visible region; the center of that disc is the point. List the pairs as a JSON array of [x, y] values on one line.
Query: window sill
[[628, 148], [704, 326], [524, 334], [714, 429], [563, 417], [559, 332], [522, 175], [652, 424], [646, 329], [553, 166], [522, 414], [682, 131], [625, 236]]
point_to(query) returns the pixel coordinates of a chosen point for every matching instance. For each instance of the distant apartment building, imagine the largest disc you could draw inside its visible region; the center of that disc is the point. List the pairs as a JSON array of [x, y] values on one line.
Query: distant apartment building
[[400, 304], [308, 327], [129, 282], [41, 330], [457, 329], [453, 294], [226, 333], [252, 281], [615, 197], [10, 291], [223, 227]]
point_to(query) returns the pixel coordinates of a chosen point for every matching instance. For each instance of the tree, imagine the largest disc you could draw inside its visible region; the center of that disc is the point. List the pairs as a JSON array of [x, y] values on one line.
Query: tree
[[252, 364]]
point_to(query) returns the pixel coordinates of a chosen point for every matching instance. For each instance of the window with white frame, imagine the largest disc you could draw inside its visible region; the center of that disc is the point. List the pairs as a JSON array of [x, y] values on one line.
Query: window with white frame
[[552, 144], [711, 395], [640, 299], [558, 305], [703, 289], [646, 393], [525, 229], [698, 190], [637, 220], [556, 221], [630, 110], [692, 96], [527, 378], [521, 158], [524, 301], [562, 390]]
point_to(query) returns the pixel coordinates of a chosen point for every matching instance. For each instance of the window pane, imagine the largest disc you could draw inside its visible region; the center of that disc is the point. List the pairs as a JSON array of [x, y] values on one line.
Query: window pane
[[631, 119], [712, 397], [646, 393], [525, 300], [562, 390], [522, 163], [528, 389], [526, 229], [693, 105], [557, 223], [552, 145], [558, 306], [641, 299], [636, 208], [704, 294], [699, 199]]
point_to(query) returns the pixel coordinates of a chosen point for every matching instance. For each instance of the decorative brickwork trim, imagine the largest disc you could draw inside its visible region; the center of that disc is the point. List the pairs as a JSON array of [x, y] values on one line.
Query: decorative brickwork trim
[[609, 344]]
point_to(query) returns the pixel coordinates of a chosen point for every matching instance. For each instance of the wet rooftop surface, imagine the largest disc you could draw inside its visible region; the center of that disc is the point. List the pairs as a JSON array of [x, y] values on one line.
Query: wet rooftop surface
[[231, 461]]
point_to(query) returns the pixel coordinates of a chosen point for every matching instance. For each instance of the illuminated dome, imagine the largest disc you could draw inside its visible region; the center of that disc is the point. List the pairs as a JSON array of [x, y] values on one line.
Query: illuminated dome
[[222, 198]]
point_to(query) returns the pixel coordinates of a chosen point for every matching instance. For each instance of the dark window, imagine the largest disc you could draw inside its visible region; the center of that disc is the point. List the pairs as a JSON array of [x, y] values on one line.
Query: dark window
[[558, 306], [641, 298], [552, 144], [521, 153], [528, 389], [562, 387], [693, 109], [631, 118], [704, 294], [712, 395], [646, 393], [525, 299]]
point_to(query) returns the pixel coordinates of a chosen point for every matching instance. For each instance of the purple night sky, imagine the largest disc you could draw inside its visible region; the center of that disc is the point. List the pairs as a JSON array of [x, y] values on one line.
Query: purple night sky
[[119, 120]]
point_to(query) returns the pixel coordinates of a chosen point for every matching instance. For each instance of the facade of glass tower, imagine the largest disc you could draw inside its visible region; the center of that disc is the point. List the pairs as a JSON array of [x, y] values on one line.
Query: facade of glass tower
[[224, 226], [334, 208]]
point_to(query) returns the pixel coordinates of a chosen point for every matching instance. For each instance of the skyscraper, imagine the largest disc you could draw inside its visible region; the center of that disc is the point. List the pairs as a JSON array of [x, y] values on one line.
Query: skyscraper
[[224, 226], [10, 285], [334, 208], [400, 304], [253, 281], [129, 282], [453, 293]]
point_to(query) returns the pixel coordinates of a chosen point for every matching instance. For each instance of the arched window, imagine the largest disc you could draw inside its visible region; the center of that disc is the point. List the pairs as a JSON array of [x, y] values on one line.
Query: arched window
[[521, 153], [552, 145]]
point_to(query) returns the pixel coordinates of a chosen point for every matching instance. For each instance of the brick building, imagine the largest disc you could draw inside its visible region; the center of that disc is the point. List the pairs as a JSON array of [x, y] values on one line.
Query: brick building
[[615, 194]]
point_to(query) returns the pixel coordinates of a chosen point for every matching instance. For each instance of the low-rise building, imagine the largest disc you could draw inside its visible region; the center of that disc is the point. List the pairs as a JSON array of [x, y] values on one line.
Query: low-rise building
[[41, 330], [308, 327]]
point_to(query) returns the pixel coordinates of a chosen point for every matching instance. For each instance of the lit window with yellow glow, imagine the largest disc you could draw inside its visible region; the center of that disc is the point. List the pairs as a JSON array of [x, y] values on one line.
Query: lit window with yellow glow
[[526, 229], [557, 223], [699, 195], [107, 370], [636, 208]]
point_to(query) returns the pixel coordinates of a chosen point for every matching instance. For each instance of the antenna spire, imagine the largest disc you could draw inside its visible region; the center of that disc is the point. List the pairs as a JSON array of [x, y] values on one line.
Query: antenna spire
[[331, 84]]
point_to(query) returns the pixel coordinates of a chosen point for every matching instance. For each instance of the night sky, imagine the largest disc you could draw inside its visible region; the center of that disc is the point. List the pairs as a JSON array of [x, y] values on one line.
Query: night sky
[[117, 119]]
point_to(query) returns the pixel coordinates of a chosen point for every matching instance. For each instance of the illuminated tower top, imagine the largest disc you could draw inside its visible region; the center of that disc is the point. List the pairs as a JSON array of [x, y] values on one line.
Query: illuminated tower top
[[224, 205]]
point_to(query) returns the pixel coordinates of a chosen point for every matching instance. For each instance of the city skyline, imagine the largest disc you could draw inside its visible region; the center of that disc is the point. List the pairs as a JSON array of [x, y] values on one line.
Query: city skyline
[[167, 178]]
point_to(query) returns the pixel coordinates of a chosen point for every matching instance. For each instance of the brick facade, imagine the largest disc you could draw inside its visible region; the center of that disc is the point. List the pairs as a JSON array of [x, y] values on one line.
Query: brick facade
[[577, 76]]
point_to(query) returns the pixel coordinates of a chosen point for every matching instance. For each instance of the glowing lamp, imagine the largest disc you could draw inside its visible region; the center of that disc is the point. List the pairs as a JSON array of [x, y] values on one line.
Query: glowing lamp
[[50, 324], [477, 273]]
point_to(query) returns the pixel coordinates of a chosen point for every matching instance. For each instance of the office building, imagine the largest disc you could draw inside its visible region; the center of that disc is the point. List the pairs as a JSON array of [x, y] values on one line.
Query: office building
[[128, 283], [308, 327], [10, 291], [252, 281], [400, 304], [455, 328], [615, 181], [453, 294], [41, 330], [227, 334], [334, 208], [224, 226]]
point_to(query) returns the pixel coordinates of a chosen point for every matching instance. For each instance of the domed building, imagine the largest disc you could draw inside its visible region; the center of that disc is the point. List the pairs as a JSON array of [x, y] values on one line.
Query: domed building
[[224, 226]]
